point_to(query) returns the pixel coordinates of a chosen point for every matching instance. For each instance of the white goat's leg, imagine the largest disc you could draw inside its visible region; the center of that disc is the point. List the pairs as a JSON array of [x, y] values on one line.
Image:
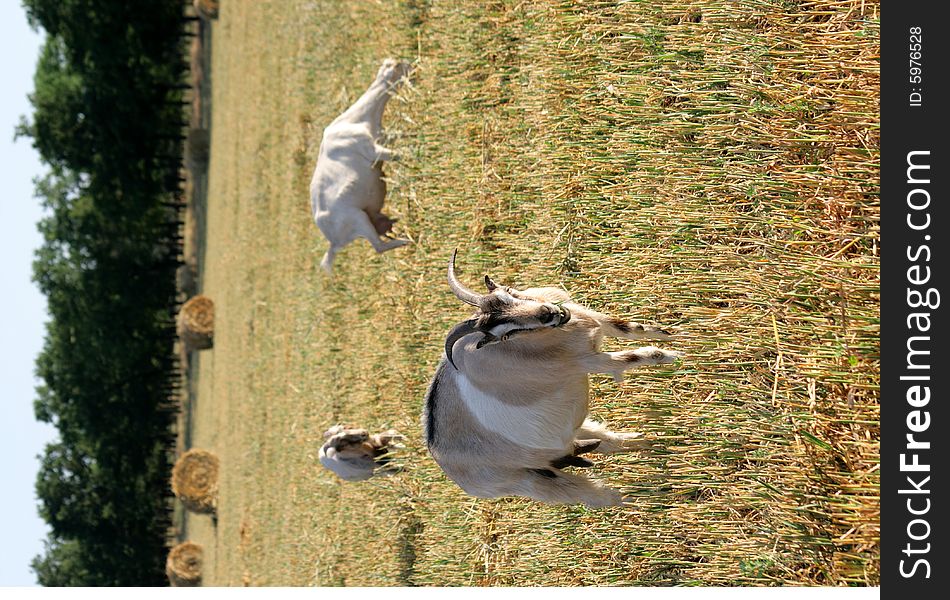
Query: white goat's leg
[[610, 442], [363, 227], [557, 487], [374, 152], [615, 363], [621, 328], [327, 262], [383, 154]]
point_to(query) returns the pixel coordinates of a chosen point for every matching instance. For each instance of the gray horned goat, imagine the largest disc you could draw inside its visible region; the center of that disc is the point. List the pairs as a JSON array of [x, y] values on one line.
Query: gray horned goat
[[507, 408]]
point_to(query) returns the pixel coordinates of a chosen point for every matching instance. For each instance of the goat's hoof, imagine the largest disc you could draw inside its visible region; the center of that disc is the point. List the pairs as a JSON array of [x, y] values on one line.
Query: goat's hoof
[[608, 497], [657, 333], [634, 441], [662, 357]]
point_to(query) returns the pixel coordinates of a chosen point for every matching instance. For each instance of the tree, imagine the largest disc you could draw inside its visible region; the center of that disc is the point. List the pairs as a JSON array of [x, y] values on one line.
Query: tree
[[62, 564], [107, 116]]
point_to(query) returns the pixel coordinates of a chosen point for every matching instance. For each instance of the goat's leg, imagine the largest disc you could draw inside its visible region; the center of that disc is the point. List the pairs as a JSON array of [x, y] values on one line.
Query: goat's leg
[[373, 151], [557, 487], [574, 459], [621, 328], [364, 227], [383, 154], [609, 442], [615, 363]]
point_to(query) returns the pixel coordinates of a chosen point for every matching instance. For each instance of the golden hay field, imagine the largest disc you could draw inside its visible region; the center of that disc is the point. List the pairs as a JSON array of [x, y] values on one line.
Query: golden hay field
[[710, 166]]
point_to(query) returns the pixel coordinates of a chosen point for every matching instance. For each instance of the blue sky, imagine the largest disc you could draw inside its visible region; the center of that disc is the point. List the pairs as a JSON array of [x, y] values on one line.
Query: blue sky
[[22, 438]]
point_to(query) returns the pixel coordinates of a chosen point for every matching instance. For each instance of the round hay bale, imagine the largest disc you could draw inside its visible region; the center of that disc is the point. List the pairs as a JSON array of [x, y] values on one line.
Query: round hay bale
[[195, 480], [196, 323], [206, 9], [183, 566]]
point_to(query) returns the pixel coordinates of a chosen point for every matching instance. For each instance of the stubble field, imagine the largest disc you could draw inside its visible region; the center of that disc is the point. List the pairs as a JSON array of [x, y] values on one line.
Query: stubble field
[[710, 166]]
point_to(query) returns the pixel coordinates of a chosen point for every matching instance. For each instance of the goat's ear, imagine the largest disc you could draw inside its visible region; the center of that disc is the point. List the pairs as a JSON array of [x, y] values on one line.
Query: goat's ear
[[488, 339], [332, 431], [491, 285]]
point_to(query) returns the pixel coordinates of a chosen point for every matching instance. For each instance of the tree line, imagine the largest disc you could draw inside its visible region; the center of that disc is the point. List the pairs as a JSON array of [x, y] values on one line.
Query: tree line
[[107, 122]]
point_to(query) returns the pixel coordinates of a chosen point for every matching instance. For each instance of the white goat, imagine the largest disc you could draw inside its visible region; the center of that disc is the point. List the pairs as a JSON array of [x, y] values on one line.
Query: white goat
[[355, 455], [347, 189], [507, 407]]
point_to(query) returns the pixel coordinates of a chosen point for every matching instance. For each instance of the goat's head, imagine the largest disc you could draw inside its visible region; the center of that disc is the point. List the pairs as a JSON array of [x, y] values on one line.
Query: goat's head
[[503, 313], [348, 453], [392, 71]]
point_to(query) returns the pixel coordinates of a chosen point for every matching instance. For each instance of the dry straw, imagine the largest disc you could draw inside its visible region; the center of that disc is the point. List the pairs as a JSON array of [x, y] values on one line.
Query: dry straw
[[709, 165], [196, 323], [195, 480], [706, 165], [183, 566]]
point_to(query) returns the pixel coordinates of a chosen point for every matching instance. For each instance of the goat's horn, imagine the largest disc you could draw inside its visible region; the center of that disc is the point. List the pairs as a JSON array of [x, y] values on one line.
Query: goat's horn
[[464, 294], [458, 332]]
